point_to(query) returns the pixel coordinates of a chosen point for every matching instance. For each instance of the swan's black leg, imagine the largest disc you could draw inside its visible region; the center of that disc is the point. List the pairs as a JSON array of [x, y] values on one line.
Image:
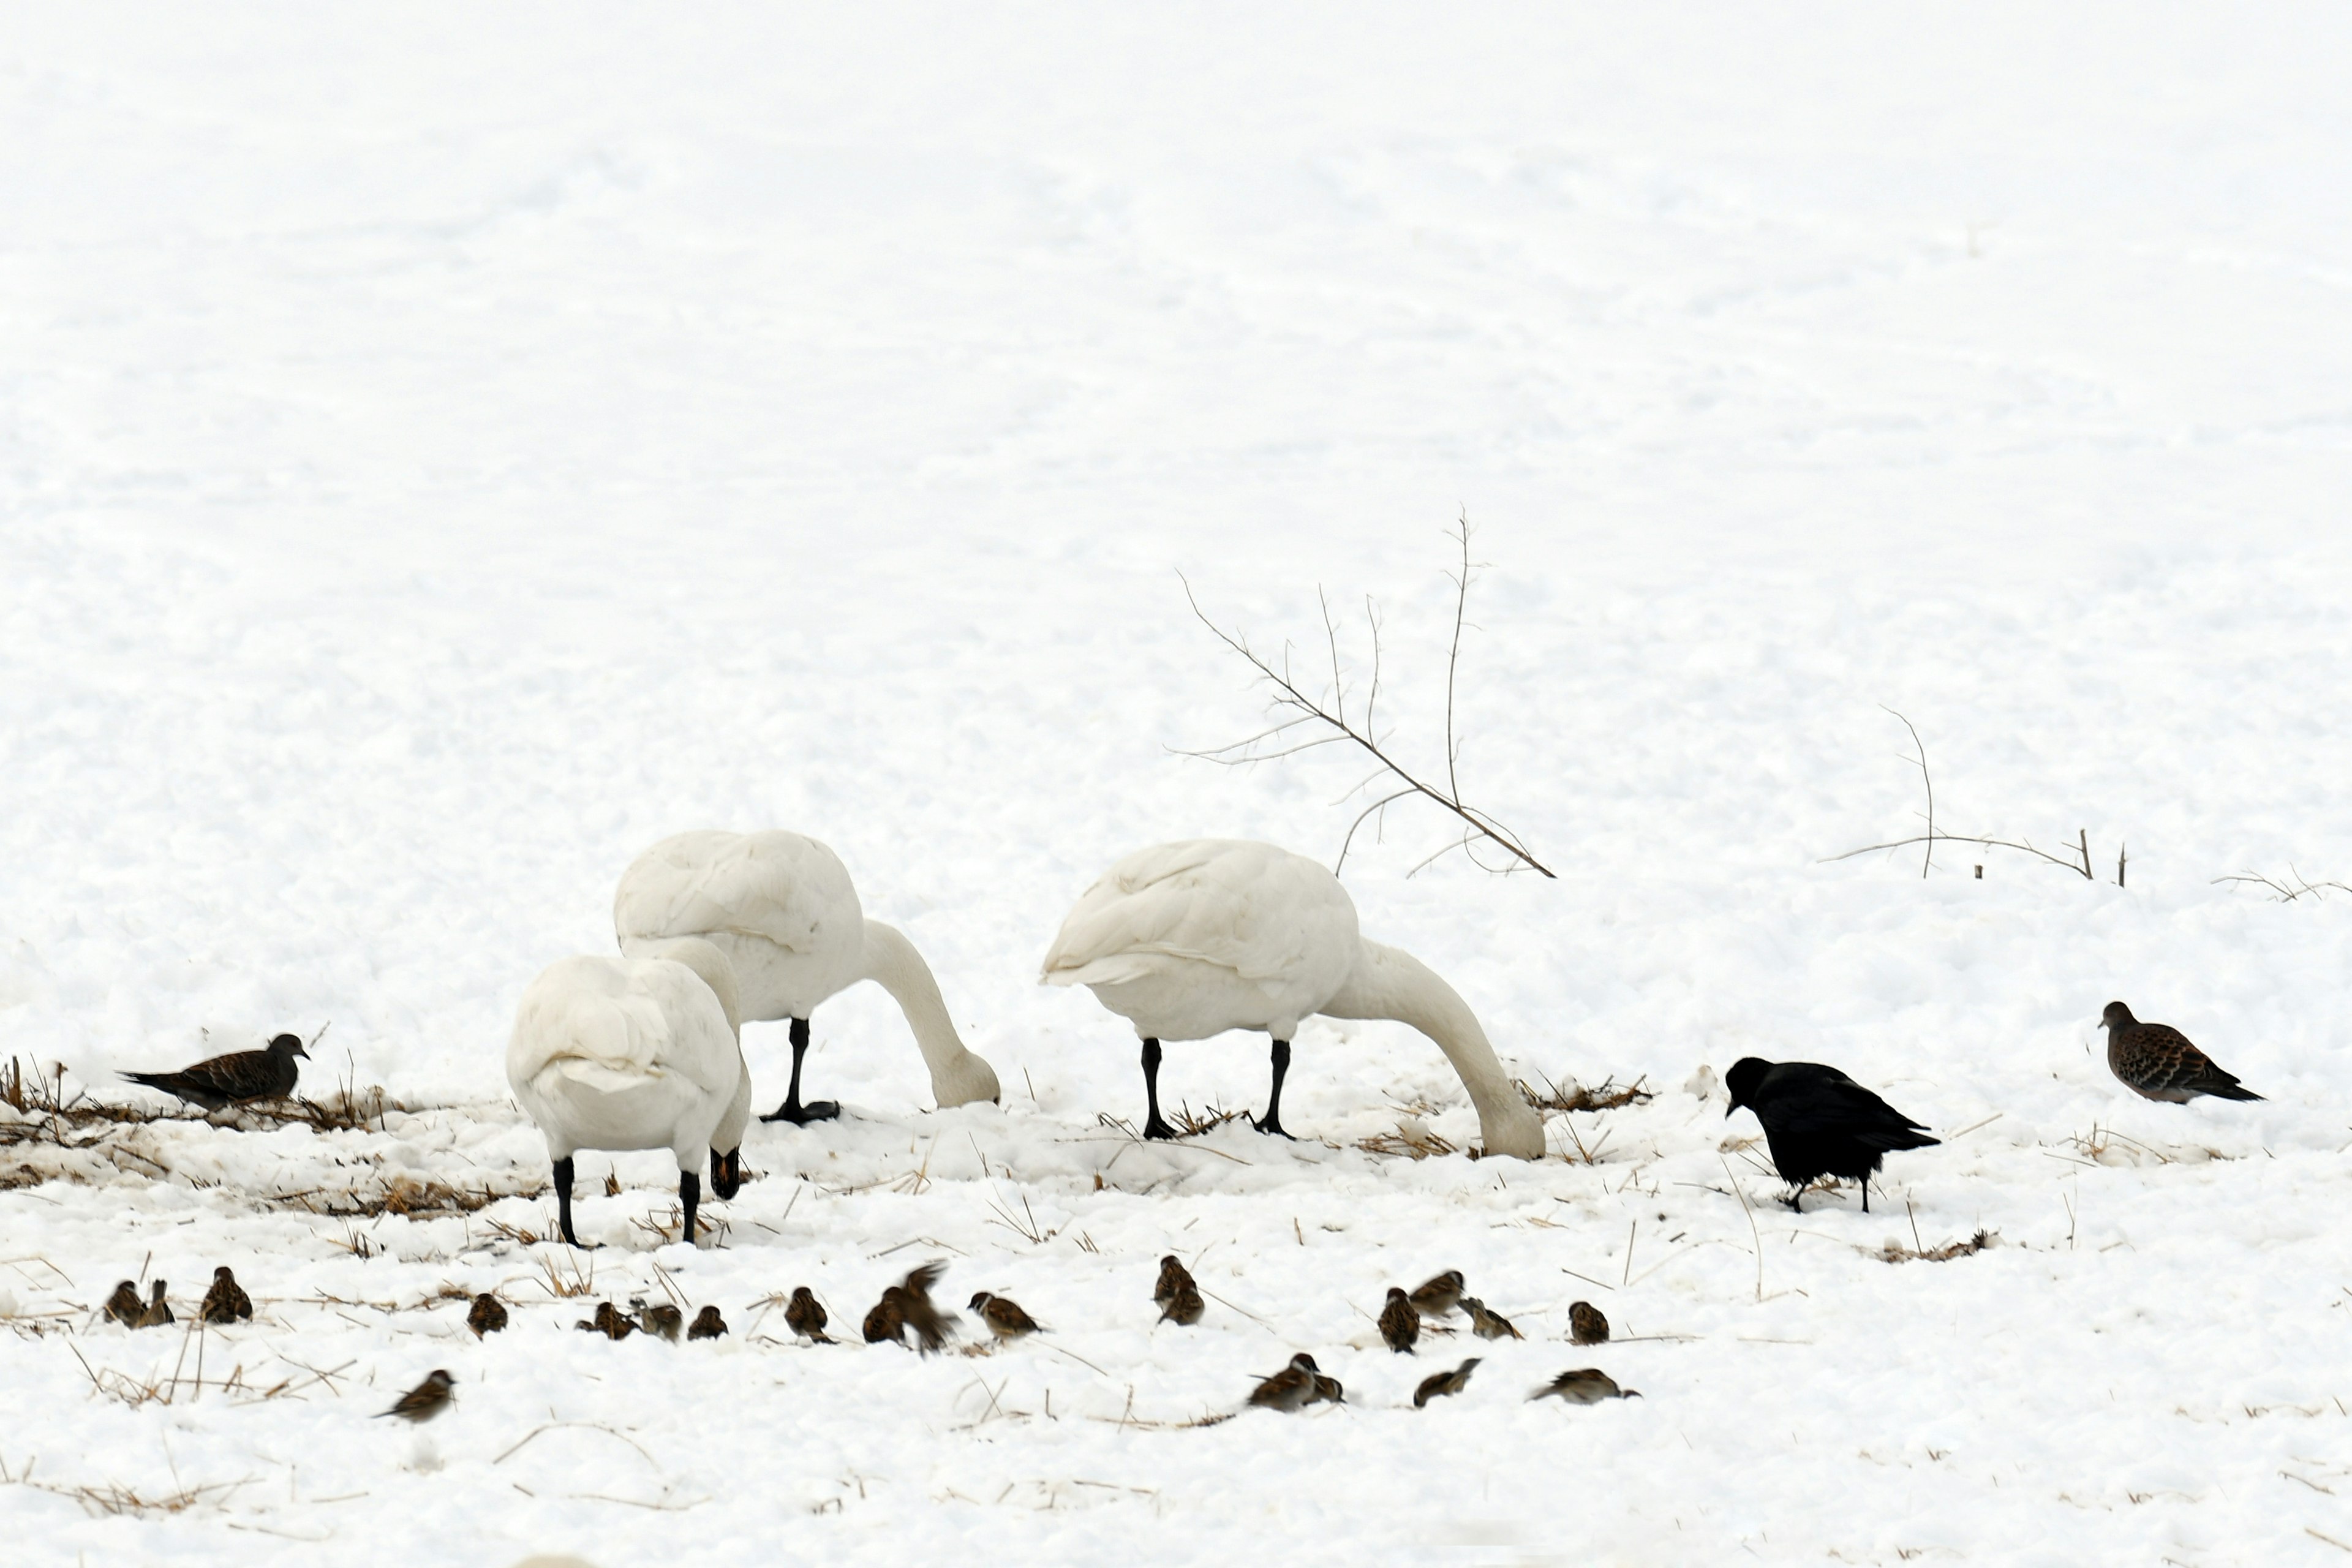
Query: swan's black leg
[[1154, 1126], [791, 1110], [726, 1173], [689, 1194], [564, 1200], [1272, 1120]]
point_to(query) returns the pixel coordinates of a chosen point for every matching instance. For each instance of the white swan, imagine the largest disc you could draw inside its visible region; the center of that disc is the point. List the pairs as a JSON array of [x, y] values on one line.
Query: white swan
[[782, 910], [1190, 940], [636, 1053]]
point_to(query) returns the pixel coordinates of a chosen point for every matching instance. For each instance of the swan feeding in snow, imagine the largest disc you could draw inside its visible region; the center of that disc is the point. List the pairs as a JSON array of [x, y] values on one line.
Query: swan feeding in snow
[[782, 908], [636, 1053], [1189, 940]]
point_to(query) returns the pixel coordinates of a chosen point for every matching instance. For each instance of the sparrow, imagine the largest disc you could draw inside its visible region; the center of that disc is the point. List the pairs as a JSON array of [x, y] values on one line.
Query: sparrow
[[1819, 1123], [156, 1313], [1437, 1297], [488, 1315], [1399, 1324], [2156, 1061], [1444, 1383], [1003, 1314], [804, 1315], [1327, 1390], [124, 1306], [1586, 1326], [609, 1321], [707, 1325], [219, 1082], [1174, 1276], [1183, 1307], [933, 1325], [1292, 1388], [665, 1320], [226, 1302], [1585, 1386], [1486, 1323], [886, 1323], [424, 1402]]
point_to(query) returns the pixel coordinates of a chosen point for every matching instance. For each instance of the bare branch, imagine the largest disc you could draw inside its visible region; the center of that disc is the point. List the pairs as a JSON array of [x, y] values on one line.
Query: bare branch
[[1928, 779], [1454, 655], [1368, 811]]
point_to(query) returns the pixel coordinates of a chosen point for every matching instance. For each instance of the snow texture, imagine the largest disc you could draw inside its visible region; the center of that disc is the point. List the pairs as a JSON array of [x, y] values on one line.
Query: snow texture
[[443, 450]]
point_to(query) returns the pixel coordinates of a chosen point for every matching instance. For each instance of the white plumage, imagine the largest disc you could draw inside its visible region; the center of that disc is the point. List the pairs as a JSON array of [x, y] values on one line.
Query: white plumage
[[636, 1053], [782, 910], [1189, 940]]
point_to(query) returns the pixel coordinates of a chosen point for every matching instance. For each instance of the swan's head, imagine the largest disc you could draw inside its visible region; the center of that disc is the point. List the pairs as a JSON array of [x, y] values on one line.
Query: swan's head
[[1741, 1081], [288, 1046], [726, 1173]]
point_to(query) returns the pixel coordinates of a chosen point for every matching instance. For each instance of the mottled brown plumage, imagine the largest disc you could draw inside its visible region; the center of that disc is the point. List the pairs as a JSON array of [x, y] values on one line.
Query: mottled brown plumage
[[426, 1401], [1586, 1326], [1488, 1323], [886, 1323], [124, 1306], [664, 1321], [488, 1315], [218, 1082], [1327, 1390], [804, 1315], [933, 1324], [1292, 1388], [1434, 1297], [157, 1312], [1444, 1383], [609, 1321], [707, 1325], [1585, 1386], [1399, 1324], [2156, 1061], [1174, 1276], [1002, 1315], [1184, 1307], [226, 1302]]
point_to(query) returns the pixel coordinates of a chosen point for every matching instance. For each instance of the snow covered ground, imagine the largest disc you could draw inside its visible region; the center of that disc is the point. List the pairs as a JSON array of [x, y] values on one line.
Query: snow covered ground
[[441, 454]]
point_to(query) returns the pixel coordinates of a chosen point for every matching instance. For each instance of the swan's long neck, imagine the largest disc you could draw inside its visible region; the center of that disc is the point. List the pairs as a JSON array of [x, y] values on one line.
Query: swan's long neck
[[1389, 983], [957, 1076]]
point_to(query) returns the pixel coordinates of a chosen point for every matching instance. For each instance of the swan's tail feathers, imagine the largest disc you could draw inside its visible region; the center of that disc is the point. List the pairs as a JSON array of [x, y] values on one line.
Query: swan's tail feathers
[[1111, 970]]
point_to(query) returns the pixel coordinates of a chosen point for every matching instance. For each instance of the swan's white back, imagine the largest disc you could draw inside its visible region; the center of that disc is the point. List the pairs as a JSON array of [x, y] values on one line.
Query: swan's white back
[[781, 907], [1189, 940], [628, 1053]]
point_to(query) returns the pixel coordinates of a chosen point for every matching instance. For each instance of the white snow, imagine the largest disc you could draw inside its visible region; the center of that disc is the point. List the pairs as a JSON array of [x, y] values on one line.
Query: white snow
[[444, 451]]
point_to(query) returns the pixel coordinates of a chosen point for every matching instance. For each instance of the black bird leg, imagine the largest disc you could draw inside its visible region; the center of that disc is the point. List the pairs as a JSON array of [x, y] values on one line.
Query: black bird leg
[[564, 1200], [726, 1174], [1272, 1120], [1154, 1126], [791, 1110], [689, 1194], [1865, 1195]]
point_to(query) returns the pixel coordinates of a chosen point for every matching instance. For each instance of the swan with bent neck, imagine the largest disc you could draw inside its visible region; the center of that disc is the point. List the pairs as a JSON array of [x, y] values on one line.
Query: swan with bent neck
[[1189, 940], [782, 910], [639, 1052]]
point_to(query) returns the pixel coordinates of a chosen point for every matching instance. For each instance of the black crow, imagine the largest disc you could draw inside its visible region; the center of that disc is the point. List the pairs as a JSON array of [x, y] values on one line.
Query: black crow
[[1819, 1123]]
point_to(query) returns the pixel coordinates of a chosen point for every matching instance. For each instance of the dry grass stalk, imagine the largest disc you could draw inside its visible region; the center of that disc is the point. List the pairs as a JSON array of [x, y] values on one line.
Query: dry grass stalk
[[1576, 1097], [1895, 1252], [1026, 1227], [1412, 1138], [1190, 1125]]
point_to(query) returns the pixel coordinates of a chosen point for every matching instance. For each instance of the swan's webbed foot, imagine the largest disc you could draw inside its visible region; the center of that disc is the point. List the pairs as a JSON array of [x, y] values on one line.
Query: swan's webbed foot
[[800, 1115], [1155, 1127]]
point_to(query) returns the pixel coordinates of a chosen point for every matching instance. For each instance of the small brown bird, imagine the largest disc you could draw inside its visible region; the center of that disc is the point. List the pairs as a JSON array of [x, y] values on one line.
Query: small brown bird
[[609, 1321], [804, 1315], [886, 1323], [1183, 1307], [1444, 1383], [665, 1320], [1174, 1276], [1399, 1324], [157, 1312], [1327, 1390], [1586, 1326], [1435, 1298], [707, 1325], [1488, 1323], [426, 1401], [1292, 1388], [1002, 1315], [1585, 1386], [933, 1324], [2156, 1061], [219, 1082], [124, 1306], [488, 1315], [226, 1302]]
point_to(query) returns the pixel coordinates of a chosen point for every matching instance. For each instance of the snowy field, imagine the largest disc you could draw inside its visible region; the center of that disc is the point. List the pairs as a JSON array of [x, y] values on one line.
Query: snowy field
[[440, 456]]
